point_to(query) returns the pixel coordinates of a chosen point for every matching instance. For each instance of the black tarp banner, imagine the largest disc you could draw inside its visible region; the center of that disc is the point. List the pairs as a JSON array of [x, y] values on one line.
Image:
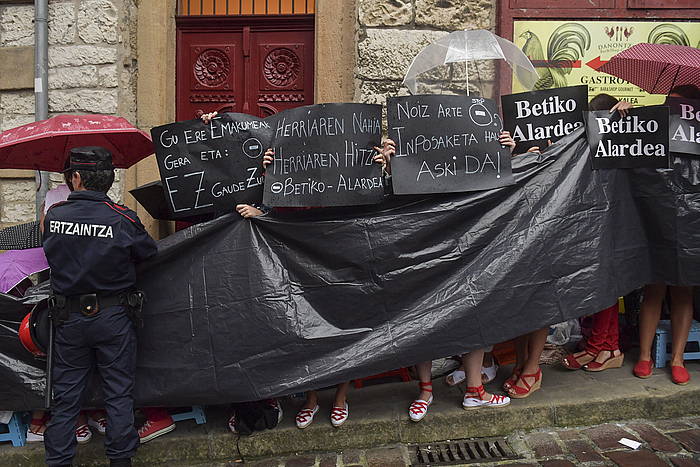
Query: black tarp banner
[[245, 309], [446, 144], [535, 118], [207, 168], [639, 139], [684, 125], [323, 156]]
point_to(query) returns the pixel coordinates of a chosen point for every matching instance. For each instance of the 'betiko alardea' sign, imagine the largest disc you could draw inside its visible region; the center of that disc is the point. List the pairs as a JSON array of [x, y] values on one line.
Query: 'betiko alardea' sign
[[639, 139], [539, 117], [684, 125]]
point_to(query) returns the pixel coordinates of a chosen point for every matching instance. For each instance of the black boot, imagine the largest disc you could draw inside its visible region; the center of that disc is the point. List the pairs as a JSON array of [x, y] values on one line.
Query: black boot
[[120, 462]]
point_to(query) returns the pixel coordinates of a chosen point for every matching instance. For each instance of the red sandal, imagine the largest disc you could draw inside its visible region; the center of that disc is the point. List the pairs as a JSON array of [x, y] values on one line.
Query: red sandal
[[507, 384], [572, 362], [517, 391], [419, 408], [613, 361]]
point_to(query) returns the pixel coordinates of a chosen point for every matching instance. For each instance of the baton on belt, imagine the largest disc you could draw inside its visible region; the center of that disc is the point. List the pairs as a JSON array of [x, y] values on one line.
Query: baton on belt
[[49, 367]]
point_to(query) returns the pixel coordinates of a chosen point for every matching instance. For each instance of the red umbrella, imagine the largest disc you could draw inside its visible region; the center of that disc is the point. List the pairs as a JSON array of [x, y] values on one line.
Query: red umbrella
[[656, 68], [45, 145]]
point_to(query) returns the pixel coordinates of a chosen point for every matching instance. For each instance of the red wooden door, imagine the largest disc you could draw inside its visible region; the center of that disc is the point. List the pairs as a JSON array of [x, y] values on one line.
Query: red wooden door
[[254, 65]]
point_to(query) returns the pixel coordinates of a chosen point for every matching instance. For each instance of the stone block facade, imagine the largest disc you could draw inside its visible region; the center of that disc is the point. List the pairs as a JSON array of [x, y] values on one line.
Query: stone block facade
[[392, 32], [92, 69]]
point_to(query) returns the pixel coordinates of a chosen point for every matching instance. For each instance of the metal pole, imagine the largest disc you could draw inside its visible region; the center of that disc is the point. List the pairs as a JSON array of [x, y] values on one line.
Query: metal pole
[[41, 85]]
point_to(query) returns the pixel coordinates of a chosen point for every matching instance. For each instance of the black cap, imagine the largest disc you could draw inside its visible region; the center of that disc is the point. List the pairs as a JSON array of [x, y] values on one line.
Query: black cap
[[89, 158]]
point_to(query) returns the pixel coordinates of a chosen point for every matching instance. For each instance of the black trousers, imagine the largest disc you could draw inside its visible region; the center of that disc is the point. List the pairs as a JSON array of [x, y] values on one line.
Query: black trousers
[[106, 341]]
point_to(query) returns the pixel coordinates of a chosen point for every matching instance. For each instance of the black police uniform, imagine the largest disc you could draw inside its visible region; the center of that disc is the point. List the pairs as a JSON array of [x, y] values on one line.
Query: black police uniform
[[92, 245]]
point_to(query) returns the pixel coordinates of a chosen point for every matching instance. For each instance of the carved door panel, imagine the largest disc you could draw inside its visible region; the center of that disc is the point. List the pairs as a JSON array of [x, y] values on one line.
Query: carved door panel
[[284, 75], [257, 66], [209, 73]]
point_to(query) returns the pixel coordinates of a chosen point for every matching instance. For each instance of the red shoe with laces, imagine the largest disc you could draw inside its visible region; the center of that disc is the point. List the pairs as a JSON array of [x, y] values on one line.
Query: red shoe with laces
[[473, 399], [419, 408], [679, 375], [643, 369], [155, 428], [339, 415]]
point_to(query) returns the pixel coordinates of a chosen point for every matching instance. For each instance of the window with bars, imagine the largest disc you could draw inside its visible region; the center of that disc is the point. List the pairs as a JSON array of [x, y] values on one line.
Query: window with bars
[[245, 7]]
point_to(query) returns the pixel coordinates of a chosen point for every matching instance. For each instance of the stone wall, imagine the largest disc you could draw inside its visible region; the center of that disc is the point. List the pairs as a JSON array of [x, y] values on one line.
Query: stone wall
[[92, 69], [392, 32]]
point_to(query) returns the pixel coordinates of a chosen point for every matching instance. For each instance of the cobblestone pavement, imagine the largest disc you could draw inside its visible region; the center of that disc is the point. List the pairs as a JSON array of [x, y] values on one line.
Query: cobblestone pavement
[[664, 443]]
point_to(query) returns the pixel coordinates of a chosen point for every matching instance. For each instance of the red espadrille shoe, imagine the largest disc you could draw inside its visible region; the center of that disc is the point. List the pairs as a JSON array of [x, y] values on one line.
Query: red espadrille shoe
[[643, 369], [679, 375]]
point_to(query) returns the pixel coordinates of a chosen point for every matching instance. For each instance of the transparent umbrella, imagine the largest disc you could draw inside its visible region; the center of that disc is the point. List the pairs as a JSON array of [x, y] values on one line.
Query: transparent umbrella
[[466, 46]]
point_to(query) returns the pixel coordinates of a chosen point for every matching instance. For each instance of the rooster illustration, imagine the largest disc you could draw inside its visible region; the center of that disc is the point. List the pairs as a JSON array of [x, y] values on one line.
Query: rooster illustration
[[668, 33], [567, 44], [610, 32]]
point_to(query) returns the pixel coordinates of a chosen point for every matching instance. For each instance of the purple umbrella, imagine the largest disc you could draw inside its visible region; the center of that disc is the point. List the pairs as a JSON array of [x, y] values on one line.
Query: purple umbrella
[[17, 265]]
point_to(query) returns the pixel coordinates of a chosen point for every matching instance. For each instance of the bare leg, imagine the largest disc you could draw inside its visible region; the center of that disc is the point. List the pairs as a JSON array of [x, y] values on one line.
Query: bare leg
[[521, 348], [649, 315], [341, 394], [681, 319], [472, 364], [535, 346], [311, 400], [424, 376]]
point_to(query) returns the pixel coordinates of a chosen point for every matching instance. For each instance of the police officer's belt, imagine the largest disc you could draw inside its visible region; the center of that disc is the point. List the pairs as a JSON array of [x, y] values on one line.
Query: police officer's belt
[[90, 304]]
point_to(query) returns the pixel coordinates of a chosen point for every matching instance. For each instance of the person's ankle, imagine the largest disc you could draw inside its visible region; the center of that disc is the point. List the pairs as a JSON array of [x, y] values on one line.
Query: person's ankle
[[677, 362]]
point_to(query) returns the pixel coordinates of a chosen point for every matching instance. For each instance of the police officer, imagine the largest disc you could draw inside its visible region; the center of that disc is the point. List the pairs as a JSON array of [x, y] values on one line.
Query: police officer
[[92, 245]]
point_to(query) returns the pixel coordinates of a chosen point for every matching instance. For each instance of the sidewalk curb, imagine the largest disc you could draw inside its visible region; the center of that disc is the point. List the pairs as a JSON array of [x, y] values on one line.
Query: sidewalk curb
[[446, 422]]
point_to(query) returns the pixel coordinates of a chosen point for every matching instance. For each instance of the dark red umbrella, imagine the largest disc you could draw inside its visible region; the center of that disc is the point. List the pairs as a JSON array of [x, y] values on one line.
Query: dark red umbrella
[[656, 68], [45, 145]]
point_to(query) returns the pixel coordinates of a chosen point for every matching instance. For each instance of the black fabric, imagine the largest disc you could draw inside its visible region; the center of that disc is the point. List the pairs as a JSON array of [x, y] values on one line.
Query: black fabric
[[92, 244], [242, 310]]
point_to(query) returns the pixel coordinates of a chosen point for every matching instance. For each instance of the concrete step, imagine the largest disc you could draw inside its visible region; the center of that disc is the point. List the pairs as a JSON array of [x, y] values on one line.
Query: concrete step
[[378, 417]]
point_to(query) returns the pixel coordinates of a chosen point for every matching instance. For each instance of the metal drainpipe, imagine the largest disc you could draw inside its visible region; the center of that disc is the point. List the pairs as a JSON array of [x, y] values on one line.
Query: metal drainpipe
[[41, 84]]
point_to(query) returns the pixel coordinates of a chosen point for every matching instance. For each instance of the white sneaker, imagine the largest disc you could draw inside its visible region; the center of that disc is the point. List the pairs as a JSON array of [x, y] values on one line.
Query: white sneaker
[[83, 434], [305, 417], [100, 425], [419, 409], [339, 415], [475, 402], [34, 437]]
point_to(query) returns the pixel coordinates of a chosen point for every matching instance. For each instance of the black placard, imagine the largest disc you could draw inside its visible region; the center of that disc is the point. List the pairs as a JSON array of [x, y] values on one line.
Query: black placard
[[684, 125], [446, 144], [323, 156], [638, 140], [208, 168], [537, 117]]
